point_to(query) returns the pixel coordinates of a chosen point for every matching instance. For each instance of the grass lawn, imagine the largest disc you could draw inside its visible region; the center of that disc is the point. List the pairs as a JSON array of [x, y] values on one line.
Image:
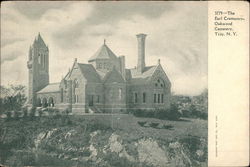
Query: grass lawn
[[128, 125]]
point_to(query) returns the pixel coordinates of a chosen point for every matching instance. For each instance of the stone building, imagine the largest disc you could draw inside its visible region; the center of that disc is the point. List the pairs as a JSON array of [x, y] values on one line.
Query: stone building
[[102, 85]]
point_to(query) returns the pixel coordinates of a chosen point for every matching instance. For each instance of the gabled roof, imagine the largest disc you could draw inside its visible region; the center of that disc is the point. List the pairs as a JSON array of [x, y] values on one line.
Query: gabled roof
[[52, 87], [141, 78], [103, 53], [148, 72], [101, 73], [89, 72], [113, 76]]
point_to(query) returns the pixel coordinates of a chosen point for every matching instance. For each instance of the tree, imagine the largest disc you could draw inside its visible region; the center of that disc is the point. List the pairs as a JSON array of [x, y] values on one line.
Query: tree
[[12, 98]]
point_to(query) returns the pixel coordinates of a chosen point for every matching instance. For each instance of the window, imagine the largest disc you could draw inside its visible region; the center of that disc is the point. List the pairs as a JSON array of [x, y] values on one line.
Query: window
[[159, 83], [76, 98], [154, 98], [76, 84], [61, 95], [159, 98], [162, 97], [44, 59], [144, 97], [135, 97], [39, 59], [97, 99], [99, 66], [120, 93]]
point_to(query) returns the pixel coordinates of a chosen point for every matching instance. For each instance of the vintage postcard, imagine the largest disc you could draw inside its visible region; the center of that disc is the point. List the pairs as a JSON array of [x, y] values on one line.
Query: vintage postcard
[[124, 84]]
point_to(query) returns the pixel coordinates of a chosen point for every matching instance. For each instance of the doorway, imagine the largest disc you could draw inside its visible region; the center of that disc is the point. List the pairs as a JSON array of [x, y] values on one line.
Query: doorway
[[91, 100]]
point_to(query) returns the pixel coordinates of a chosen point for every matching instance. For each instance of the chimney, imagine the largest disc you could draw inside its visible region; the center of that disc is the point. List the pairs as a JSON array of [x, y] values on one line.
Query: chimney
[[141, 52], [122, 65]]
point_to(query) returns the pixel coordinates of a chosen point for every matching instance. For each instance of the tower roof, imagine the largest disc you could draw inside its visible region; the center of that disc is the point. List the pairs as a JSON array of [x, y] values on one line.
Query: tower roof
[[103, 53], [39, 41]]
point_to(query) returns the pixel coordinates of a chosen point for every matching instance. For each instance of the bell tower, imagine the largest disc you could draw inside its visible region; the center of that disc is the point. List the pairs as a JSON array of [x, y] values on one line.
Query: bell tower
[[38, 67]]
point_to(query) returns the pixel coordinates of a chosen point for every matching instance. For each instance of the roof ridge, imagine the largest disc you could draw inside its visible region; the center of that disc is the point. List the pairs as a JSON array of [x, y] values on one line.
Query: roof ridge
[[104, 52], [85, 64], [145, 67]]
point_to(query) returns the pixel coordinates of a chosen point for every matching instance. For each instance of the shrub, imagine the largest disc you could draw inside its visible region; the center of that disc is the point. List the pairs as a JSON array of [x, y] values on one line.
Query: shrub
[[40, 112], [167, 127], [56, 111], [194, 143], [193, 112], [16, 115], [138, 113], [32, 112], [169, 114], [142, 123], [25, 112], [153, 125], [8, 114], [174, 113], [51, 111]]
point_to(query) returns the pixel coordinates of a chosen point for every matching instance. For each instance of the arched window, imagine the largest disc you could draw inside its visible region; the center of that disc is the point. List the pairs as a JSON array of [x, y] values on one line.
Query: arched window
[[39, 102], [44, 60], [61, 95], [39, 58], [159, 83], [135, 97], [76, 83], [51, 102], [120, 93], [144, 97], [75, 95], [44, 103]]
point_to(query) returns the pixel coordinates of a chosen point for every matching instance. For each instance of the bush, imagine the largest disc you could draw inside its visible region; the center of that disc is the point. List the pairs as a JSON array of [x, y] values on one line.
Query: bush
[[32, 112], [193, 112], [166, 114], [153, 125], [174, 113], [25, 112], [16, 115], [8, 114], [142, 123], [167, 127], [40, 112]]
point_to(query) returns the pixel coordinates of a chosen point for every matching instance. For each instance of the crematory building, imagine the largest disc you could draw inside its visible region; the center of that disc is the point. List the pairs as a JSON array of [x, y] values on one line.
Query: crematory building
[[104, 84]]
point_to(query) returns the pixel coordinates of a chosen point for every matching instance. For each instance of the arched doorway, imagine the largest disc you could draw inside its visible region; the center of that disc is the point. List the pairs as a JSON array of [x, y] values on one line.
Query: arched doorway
[[39, 102], [44, 103], [51, 102]]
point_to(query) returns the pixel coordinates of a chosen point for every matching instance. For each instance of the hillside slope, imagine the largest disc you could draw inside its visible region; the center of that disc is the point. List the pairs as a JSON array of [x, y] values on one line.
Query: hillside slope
[[103, 140]]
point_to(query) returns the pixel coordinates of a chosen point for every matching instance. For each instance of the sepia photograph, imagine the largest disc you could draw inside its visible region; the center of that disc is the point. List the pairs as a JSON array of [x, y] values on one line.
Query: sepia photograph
[[104, 84]]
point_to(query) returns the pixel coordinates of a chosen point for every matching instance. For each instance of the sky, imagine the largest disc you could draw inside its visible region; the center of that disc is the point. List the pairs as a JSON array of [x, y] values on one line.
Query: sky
[[176, 34]]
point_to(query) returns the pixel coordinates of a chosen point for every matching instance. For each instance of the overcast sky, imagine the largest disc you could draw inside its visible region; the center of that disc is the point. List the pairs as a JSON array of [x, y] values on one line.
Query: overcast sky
[[177, 34]]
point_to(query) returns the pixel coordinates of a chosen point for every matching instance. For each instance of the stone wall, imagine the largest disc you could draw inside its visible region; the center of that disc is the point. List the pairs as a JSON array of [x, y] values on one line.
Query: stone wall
[[115, 97], [150, 92]]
